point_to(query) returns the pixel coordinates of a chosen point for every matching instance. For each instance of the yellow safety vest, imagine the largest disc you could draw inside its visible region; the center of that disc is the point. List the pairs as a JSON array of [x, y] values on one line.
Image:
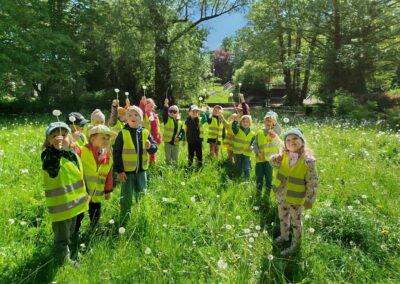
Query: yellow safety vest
[[95, 177], [265, 145], [215, 130], [146, 121], [229, 136], [169, 129], [130, 157], [119, 125], [82, 141], [295, 178], [242, 143], [66, 194]]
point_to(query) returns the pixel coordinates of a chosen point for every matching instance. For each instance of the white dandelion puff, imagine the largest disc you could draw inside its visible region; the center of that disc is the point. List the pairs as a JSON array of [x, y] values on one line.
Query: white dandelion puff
[[237, 217], [228, 227], [24, 171], [251, 240], [270, 257], [258, 228], [286, 120], [121, 230], [72, 118], [222, 264], [111, 222], [311, 230], [147, 250], [363, 196], [11, 221], [116, 90], [193, 198], [56, 112], [246, 231]]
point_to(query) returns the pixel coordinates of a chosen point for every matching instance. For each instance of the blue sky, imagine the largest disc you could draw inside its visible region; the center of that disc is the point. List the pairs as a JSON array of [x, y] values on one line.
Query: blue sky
[[221, 27]]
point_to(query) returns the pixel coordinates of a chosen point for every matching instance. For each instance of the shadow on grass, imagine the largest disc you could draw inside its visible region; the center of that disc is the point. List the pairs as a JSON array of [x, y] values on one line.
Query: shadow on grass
[[40, 268]]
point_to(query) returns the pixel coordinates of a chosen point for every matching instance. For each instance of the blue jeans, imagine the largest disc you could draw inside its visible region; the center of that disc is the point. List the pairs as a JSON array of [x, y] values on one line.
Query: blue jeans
[[243, 164]]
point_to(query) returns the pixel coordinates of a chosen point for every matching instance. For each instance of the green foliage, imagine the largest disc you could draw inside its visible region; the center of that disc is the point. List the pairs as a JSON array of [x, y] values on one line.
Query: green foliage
[[253, 75]]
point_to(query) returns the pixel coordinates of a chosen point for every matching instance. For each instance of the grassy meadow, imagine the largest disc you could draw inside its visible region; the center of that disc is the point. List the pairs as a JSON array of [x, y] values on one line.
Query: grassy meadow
[[206, 226]]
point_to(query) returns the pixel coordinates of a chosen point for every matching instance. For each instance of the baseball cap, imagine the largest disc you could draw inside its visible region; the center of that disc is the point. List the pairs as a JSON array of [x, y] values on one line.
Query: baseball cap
[[57, 124]]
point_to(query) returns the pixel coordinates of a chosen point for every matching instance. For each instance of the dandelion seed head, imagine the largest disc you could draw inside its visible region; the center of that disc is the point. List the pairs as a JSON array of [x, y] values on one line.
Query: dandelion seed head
[[121, 230], [147, 250]]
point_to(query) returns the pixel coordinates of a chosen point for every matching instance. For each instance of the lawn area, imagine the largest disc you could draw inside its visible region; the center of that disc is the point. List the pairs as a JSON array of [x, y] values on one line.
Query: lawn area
[[222, 97], [206, 225]]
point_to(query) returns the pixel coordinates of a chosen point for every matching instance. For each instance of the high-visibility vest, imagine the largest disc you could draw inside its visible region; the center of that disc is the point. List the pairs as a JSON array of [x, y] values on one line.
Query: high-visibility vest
[[130, 157], [119, 125], [66, 194], [242, 143], [265, 145], [82, 141], [169, 129], [229, 136], [95, 177], [146, 121], [215, 130], [295, 180]]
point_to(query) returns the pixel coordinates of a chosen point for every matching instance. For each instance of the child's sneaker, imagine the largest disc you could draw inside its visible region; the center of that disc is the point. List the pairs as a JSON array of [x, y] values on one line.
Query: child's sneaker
[[280, 240], [289, 251]]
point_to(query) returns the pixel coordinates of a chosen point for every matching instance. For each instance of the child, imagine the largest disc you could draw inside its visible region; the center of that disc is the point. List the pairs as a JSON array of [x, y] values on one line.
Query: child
[[173, 132], [242, 108], [242, 142], [194, 135], [266, 144], [97, 172], [117, 118], [228, 139], [131, 158], [215, 130], [64, 187], [96, 118], [295, 186], [77, 128], [150, 122]]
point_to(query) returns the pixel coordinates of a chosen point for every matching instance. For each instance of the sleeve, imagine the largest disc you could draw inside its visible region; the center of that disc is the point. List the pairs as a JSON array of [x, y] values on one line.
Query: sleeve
[[235, 127], [109, 182], [113, 117], [204, 117], [165, 114], [275, 161], [153, 145], [252, 140], [154, 129], [244, 107], [311, 181], [255, 145], [51, 162], [117, 153]]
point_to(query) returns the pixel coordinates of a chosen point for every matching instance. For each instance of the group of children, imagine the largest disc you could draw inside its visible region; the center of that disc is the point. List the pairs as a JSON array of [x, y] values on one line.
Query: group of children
[[78, 164]]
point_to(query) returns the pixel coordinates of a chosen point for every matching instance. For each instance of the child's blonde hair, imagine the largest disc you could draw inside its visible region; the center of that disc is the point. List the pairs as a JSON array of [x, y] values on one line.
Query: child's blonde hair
[[245, 116], [47, 144], [151, 101]]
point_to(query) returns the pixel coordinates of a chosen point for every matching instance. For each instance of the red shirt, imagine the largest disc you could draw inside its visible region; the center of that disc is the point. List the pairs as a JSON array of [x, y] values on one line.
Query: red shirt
[[102, 159], [153, 123]]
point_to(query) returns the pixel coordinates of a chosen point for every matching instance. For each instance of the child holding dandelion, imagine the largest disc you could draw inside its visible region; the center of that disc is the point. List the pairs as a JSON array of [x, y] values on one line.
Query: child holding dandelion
[[150, 121], [131, 158], [173, 132], [64, 186], [215, 130], [76, 122], [266, 144], [194, 135], [242, 143], [295, 186], [97, 171]]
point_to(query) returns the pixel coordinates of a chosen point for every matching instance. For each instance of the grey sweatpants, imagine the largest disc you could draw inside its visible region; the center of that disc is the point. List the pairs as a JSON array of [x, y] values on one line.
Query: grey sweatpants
[[63, 231], [171, 153]]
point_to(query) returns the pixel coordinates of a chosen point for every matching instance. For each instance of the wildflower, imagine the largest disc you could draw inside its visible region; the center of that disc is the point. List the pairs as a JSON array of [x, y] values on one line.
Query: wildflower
[[111, 222], [164, 199], [258, 228], [165, 225], [363, 196], [193, 198], [83, 246], [350, 207], [222, 264], [218, 196], [165, 270], [116, 90], [11, 221], [383, 247], [251, 240], [272, 224], [56, 112], [270, 257], [72, 118], [307, 217], [23, 223], [121, 230], [286, 120], [255, 235], [311, 230], [183, 183], [147, 250], [256, 208], [246, 231], [228, 227], [194, 242], [357, 202], [237, 217], [24, 171]]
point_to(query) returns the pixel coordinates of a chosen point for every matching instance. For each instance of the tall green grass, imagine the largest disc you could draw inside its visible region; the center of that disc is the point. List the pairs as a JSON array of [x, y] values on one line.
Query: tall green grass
[[206, 225]]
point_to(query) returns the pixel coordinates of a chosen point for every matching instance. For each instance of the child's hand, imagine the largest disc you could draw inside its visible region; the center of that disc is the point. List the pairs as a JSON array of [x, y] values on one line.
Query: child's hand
[[127, 102], [122, 177], [307, 204], [115, 103], [107, 196], [143, 99], [76, 135], [241, 98], [272, 134], [234, 117], [147, 144], [166, 101]]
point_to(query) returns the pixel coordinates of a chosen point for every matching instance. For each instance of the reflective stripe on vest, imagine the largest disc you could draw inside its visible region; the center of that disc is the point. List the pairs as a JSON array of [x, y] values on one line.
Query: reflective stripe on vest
[[215, 130], [242, 143], [169, 129], [95, 177], [265, 146], [130, 157], [66, 194], [295, 180]]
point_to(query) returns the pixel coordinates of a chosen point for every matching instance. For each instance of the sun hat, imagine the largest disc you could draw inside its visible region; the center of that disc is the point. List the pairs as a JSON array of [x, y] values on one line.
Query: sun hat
[[271, 114], [57, 124], [101, 129], [97, 115]]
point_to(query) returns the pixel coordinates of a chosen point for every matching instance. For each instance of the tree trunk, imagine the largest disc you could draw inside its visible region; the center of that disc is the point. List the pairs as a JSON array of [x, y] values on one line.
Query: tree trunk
[[296, 76], [307, 72], [163, 86]]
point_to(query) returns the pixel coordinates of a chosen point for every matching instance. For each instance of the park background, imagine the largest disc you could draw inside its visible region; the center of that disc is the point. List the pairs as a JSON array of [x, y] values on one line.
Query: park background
[[336, 65]]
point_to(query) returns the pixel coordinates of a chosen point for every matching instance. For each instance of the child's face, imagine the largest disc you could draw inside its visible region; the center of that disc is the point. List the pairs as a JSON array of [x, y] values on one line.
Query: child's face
[[59, 139], [216, 111], [122, 117], [269, 123], [173, 112], [245, 123], [100, 140], [149, 107], [97, 121], [133, 119], [293, 143], [193, 113]]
